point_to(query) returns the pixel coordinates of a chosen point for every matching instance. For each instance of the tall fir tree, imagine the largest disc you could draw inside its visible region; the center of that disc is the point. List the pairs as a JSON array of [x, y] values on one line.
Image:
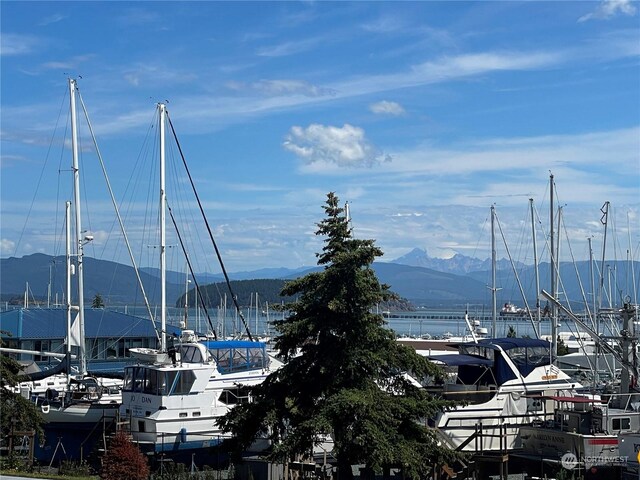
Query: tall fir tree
[[344, 371]]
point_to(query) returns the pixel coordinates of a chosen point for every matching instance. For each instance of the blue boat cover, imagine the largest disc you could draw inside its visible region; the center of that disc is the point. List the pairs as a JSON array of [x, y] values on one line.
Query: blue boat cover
[[508, 343], [456, 359]]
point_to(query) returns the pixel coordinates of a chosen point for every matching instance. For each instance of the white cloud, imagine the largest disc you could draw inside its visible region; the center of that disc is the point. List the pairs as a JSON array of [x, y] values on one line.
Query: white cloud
[[344, 146], [609, 9], [7, 247], [386, 108], [15, 44]]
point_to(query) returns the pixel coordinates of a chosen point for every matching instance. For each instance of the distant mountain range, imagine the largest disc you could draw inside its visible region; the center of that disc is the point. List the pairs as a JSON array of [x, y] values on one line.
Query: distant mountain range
[[456, 281], [458, 264]]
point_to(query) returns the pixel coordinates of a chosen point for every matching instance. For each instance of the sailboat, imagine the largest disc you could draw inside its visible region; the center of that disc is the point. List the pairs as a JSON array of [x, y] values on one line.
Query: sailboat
[[76, 415], [171, 407]]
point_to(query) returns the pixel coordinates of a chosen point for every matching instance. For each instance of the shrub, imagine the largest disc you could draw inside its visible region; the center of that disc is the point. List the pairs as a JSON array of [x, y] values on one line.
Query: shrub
[[124, 460]]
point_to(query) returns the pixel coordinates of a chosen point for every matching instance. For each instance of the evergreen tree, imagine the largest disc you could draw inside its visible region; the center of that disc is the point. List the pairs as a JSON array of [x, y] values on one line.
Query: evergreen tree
[[343, 371], [15, 411], [97, 301]]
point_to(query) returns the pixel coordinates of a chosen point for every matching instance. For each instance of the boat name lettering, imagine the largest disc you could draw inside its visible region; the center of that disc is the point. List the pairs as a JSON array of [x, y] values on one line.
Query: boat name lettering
[[549, 377], [549, 437], [142, 399]]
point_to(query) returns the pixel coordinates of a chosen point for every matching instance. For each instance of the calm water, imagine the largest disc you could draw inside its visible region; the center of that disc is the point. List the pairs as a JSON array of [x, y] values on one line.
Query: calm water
[[416, 323]]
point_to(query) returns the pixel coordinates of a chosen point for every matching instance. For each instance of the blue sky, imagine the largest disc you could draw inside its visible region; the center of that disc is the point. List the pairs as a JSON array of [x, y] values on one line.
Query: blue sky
[[420, 114]]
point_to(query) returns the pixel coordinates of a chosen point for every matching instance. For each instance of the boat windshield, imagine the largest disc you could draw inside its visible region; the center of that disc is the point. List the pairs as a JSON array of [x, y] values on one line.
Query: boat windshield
[[157, 382]]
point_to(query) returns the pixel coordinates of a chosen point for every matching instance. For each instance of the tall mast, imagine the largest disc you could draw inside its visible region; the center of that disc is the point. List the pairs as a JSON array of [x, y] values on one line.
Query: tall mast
[[163, 266], [552, 271], [494, 306], [79, 233], [604, 220], [535, 263], [68, 284]]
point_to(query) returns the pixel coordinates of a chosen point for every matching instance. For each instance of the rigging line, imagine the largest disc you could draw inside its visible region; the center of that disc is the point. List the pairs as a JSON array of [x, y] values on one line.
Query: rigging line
[[197, 287], [33, 200], [215, 246], [577, 272], [517, 278], [115, 206]]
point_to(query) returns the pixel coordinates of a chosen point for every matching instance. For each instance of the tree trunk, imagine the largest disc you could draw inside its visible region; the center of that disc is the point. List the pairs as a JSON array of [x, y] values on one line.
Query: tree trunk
[[344, 470]]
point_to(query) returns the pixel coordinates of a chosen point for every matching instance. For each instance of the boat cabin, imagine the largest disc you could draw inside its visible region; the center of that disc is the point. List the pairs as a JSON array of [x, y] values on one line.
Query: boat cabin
[[485, 365]]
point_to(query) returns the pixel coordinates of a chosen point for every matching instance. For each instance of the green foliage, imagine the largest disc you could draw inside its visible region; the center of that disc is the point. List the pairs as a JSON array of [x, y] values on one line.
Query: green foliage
[[512, 332], [124, 460], [70, 468], [344, 370], [97, 302], [15, 411], [562, 347]]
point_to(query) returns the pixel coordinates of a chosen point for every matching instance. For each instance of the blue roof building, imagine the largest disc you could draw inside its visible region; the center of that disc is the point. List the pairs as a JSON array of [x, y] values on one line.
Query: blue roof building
[[108, 334]]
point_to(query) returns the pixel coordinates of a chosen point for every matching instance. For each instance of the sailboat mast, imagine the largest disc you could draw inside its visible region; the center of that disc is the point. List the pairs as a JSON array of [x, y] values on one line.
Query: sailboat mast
[[535, 263], [163, 265], [494, 306], [68, 284], [79, 234], [552, 271]]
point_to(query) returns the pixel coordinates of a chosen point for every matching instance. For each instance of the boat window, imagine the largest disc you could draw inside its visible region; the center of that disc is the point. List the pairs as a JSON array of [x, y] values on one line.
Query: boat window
[[621, 423], [182, 382], [128, 379], [235, 359], [151, 382], [478, 350], [191, 354], [538, 356], [233, 396], [141, 379]]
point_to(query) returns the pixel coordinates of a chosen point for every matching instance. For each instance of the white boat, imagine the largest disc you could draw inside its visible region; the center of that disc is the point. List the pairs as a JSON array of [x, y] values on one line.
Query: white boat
[[586, 427], [85, 399], [589, 427], [500, 380], [174, 407]]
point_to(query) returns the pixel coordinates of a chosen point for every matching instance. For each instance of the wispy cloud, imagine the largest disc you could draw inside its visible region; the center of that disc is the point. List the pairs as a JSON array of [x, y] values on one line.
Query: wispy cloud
[[138, 16], [288, 48], [386, 107], [55, 18], [282, 87], [385, 24], [155, 73], [16, 44], [608, 9], [344, 146]]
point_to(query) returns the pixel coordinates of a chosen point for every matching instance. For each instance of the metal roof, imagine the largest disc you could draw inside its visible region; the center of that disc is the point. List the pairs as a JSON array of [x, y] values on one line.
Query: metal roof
[[51, 323]]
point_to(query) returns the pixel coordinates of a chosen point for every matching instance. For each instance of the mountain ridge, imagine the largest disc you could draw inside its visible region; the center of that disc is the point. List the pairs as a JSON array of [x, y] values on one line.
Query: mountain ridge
[[422, 286]]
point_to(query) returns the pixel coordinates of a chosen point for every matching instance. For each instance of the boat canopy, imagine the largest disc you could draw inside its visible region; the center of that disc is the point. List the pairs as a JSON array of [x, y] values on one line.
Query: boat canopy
[[237, 355], [508, 343], [454, 360], [525, 353]]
